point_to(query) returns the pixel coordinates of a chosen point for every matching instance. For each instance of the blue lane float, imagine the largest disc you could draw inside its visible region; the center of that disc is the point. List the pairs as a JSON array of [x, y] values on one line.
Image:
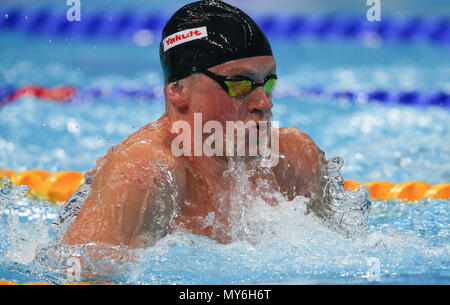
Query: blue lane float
[[68, 94], [412, 98], [123, 24]]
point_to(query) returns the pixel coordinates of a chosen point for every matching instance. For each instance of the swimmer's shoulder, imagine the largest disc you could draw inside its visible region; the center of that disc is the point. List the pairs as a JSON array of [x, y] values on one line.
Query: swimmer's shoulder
[[302, 165], [293, 139], [149, 147], [299, 149], [154, 140], [154, 134]]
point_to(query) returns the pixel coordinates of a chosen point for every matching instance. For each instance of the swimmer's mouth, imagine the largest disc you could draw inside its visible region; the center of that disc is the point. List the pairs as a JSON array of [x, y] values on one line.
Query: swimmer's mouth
[[262, 128]]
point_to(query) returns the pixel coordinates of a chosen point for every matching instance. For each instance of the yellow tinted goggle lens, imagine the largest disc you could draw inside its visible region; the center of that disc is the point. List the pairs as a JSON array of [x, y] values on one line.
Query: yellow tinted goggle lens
[[269, 86], [241, 87], [238, 88]]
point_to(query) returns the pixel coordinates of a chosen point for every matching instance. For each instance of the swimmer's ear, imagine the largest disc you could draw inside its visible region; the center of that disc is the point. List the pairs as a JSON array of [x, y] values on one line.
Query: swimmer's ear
[[177, 95]]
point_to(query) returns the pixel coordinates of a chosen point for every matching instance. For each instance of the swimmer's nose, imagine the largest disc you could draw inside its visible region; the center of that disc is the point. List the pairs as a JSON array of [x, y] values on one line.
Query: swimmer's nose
[[260, 103]]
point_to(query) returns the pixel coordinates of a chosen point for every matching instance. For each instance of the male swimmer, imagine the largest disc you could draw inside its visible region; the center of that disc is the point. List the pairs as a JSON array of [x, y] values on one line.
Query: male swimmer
[[218, 63]]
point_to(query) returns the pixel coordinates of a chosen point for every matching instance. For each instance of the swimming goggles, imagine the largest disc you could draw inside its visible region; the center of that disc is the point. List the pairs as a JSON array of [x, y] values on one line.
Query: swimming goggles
[[239, 85]]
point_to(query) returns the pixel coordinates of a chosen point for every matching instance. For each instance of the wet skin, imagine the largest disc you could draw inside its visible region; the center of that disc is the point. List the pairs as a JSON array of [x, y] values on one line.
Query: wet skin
[[139, 184]]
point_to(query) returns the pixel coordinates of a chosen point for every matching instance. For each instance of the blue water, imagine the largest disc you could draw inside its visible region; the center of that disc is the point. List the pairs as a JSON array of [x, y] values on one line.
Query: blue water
[[410, 241]]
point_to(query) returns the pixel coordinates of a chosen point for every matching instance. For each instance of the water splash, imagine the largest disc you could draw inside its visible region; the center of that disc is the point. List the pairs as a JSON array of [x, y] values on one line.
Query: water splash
[[251, 216], [300, 250], [71, 208], [23, 225], [9, 193], [248, 210], [347, 211], [92, 262]]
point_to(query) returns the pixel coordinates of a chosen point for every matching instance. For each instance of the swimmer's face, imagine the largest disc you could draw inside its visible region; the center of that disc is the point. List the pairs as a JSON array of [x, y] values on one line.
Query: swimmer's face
[[213, 102]]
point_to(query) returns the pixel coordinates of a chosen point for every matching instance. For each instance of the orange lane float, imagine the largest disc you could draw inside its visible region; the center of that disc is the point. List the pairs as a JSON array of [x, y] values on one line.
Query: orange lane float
[[58, 187], [36, 179], [6, 283], [409, 191], [379, 189], [441, 190], [8, 173], [64, 184]]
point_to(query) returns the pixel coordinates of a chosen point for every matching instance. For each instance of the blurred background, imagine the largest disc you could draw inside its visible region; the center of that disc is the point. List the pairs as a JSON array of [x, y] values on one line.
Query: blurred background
[[283, 6]]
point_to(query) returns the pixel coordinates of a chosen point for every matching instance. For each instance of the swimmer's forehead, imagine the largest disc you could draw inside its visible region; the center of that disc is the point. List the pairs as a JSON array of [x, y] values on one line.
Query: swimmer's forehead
[[252, 66]]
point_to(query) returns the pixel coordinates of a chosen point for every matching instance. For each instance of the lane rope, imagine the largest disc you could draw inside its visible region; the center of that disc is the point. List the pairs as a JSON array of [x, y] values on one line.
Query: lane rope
[[114, 24], [58, 187], [69, 94]]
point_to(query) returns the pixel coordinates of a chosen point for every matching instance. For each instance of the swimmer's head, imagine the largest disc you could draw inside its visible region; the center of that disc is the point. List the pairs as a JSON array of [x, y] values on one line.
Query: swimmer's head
[[218, 63], [205, 34]]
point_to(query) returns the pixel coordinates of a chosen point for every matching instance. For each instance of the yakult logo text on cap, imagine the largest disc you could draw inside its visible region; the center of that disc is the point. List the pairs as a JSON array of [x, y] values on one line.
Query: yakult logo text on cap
[[184, 36]]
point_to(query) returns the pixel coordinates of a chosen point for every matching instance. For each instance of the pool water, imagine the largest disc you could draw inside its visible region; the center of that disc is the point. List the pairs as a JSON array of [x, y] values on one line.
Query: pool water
[[403, 242], [407, 241]]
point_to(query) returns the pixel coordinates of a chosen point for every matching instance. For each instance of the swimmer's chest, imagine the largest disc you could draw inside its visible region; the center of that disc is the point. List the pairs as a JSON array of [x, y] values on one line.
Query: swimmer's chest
[[203, 196]]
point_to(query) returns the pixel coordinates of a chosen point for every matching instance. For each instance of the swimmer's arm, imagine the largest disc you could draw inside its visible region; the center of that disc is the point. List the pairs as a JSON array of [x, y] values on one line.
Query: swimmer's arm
[[302, 170], [121, 202], [310, 169]]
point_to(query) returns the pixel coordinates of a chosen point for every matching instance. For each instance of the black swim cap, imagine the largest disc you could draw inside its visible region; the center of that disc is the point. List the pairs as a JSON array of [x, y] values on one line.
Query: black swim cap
[[207, 33]]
